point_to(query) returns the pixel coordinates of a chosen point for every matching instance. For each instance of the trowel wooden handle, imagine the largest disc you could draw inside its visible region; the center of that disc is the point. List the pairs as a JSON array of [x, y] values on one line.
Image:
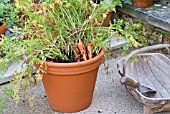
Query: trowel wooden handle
[[129, 82]]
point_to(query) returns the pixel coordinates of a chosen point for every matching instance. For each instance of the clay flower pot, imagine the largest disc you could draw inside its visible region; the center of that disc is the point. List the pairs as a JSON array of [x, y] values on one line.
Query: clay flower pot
[[3, 29], [107, 19], [69, 86], [142, 3]]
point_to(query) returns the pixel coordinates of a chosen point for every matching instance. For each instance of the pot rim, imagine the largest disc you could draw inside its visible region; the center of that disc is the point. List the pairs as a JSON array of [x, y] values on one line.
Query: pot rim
[[74, 64]]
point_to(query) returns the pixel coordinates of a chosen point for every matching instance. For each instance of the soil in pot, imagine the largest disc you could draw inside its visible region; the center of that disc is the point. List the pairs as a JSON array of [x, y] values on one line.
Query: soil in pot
[[142, 3], [69, 86]]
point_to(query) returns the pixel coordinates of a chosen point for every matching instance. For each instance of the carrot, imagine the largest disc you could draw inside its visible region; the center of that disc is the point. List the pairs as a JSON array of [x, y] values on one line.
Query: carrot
[[82, 50], [89, 50], [36, 6], [77, 54]]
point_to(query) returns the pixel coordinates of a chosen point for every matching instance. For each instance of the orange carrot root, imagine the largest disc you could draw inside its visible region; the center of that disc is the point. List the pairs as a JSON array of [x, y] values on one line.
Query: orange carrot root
[[36, 6], [82, 50], [77, 54], [89, 50]]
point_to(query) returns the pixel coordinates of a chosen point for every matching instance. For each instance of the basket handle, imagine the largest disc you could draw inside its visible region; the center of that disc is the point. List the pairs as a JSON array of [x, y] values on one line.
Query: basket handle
[[144, 49]]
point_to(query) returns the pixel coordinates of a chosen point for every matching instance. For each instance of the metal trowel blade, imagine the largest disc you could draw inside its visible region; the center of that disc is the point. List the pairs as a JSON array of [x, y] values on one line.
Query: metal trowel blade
[[147, 91]]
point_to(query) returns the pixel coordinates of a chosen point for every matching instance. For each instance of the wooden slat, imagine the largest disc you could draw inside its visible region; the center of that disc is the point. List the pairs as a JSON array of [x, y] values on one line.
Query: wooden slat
[[142, 75], [143, 63], [162, 63], [134, 70], [152, 78], [130, 70], [162, 78], [163, 57]]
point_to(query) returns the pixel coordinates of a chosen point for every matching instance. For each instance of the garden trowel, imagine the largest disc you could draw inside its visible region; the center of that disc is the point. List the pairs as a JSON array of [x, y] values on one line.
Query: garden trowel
[[147, 91]]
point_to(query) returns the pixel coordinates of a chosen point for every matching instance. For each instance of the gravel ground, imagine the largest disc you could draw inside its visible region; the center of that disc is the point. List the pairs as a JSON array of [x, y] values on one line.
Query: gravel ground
[[109, 97]]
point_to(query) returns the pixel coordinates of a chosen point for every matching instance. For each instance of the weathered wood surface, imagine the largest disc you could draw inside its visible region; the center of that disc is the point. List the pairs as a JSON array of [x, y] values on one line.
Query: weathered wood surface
[[152, 70], [147, 110]]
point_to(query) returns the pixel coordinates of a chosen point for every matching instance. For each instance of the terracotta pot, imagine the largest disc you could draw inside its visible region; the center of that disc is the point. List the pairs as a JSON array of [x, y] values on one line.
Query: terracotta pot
[[142, 3], [156, 0], [3, 29], [107, 20], [69, 86]]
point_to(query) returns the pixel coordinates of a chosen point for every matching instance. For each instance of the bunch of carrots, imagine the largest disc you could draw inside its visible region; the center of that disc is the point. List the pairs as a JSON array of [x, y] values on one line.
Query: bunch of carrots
[[83, 52]]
